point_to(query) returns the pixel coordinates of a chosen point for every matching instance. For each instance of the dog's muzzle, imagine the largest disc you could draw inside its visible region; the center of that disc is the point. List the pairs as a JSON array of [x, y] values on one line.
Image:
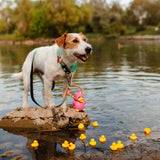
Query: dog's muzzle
[[84, 57]]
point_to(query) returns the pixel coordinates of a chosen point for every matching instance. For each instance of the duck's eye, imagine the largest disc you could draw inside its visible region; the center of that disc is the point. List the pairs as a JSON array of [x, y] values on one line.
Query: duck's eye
[[75, 41]]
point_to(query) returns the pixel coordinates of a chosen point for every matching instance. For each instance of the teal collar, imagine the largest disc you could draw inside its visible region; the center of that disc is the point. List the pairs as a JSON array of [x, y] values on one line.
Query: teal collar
[[64, 66]]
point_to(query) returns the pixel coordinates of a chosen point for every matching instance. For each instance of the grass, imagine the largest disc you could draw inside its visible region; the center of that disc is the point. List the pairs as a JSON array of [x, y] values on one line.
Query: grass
[[11, 37], [94, 35], [131, 31], [149, 30]]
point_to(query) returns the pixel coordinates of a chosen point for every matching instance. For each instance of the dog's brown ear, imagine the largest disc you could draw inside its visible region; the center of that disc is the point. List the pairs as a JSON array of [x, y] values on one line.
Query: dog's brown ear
[[61, 40]]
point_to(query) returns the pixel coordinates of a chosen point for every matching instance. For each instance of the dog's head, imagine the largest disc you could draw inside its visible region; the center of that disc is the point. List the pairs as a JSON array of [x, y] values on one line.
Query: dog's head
[[75, 45]]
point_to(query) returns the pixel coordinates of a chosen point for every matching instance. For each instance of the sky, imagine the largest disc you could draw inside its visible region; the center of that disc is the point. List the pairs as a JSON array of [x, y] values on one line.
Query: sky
[[123, 3]]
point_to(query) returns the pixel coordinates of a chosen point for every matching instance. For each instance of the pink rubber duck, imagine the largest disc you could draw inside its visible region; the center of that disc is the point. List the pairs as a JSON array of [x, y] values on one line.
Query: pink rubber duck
[[79, 102]]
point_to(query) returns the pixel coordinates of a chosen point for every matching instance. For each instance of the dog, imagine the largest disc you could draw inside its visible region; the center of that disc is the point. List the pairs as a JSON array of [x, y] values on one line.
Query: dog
[[72, 47]]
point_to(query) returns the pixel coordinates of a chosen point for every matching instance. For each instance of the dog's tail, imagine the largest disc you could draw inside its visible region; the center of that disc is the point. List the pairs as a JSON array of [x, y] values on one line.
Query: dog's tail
[[17, 75]]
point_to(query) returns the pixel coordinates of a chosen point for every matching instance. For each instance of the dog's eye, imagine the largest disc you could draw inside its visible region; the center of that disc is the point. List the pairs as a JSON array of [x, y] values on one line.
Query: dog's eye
[[75, 41], [85, 39]]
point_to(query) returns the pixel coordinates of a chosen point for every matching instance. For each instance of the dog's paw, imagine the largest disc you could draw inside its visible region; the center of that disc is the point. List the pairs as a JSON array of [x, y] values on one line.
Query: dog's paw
[[25, 106], [52, 105], [64, 105]]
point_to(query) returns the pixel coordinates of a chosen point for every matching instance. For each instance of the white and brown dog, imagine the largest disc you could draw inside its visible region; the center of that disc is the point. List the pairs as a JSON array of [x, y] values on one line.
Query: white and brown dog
[[72, 47]]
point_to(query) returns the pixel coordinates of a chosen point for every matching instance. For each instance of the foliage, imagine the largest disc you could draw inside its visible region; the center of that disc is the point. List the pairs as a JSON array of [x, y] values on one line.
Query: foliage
[[23, 15], [65, 16], [100, 15], [50, 18], [38, 25], [3, 26]]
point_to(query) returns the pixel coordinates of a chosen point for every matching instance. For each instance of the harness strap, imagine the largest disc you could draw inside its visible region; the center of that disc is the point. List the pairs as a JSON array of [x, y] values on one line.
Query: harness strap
[[31, 82]]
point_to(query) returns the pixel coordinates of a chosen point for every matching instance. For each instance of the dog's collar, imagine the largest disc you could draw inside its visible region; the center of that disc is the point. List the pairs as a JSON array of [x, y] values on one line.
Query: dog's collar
[[64, 66]]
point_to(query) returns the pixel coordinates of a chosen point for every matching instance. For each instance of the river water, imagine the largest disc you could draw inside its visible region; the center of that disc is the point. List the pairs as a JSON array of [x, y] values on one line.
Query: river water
[[121, 86]]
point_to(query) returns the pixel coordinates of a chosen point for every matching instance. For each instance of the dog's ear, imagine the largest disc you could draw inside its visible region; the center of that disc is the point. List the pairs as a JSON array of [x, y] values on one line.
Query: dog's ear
[[81, 33], [61, 40]]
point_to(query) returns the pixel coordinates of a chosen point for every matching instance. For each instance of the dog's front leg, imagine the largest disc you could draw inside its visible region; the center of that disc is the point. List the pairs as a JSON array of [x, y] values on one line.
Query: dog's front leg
[[48, 92], [67, 82]]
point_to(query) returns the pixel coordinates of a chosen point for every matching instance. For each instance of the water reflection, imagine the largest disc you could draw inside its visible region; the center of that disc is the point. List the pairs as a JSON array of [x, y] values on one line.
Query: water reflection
[[49, 142], [134, 54]]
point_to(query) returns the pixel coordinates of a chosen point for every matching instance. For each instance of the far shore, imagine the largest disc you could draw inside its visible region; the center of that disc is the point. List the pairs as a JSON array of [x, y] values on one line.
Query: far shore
[[37, 41], [49, 41], [139, 37]]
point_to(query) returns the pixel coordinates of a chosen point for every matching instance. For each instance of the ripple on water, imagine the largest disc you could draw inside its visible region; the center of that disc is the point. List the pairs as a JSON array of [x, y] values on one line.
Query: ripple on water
[[122, 91]]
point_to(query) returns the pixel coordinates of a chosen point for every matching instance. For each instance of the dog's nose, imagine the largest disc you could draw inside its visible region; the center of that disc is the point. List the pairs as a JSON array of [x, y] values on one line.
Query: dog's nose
[[88, 50]]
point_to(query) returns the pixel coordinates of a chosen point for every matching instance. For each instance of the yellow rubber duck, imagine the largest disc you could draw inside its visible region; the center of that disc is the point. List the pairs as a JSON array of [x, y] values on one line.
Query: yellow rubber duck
[[82, 137], [133, 137], [71, 147], [81, 126], [147, 131], [92, 143], [65, 145], [35, 144], [95, 124], [119, 145], [77, 110], [102, 139], [113, 147]]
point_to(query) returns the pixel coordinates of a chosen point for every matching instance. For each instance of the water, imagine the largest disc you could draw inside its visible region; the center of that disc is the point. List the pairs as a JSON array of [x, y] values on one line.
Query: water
[[121, 86]]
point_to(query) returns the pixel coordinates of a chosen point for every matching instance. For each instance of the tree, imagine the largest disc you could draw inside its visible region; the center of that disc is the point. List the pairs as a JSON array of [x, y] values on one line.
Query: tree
[[23, 15], [153, 13], [115, 15], [39, 24], [66, 16], [3, 26], [6, 17], [138, 12], [100, 15]]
